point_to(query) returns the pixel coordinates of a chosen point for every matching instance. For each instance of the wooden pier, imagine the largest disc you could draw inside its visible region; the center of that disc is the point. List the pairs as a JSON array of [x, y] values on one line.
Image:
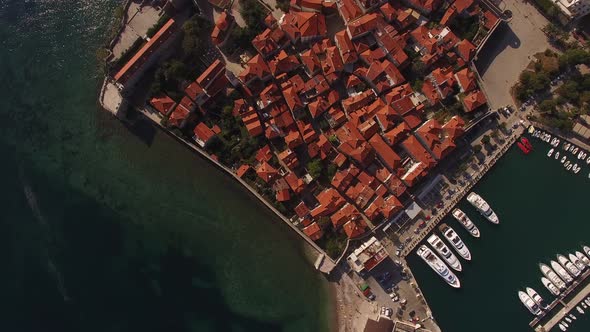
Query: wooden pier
[[567, 306]]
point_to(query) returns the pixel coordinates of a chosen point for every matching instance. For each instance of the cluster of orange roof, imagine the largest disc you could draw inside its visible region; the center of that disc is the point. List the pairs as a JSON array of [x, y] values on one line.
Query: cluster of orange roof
[[378, 139]]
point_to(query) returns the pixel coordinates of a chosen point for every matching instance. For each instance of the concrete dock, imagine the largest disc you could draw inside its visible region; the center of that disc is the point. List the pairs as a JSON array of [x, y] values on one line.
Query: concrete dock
[[581, 294]]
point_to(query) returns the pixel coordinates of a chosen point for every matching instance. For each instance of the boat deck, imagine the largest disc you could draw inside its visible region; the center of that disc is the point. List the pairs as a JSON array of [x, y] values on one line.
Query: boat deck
[[567, 307]]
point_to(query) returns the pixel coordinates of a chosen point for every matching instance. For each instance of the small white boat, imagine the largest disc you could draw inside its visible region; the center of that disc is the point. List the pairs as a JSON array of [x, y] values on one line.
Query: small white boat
[[550, 286], [569, 266], [550, 153], [577, 262], [586, 250], [565, 324], [581, 154], [575, 150], [438, 266], [561, 272], [587, 301], [567, 319], [552, 276], [561, 327], [572, 148], [556, 155], [455, 241], [566, 146], [557, 142], [447, 255], [529, 303], [535, 296], [588, 161], [584, 305], [583, 258], [577, 169], [568, 167], [580, 310], [464, 220], [563, 159], [572, 316]]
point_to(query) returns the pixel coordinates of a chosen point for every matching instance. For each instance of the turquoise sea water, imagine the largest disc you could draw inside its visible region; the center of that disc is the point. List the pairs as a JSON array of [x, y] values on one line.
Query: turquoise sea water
[[543, 211], [105, 231]]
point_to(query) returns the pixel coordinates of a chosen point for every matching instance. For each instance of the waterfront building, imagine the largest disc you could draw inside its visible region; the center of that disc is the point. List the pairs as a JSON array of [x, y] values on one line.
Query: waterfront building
[[573, 9], [367, 256]]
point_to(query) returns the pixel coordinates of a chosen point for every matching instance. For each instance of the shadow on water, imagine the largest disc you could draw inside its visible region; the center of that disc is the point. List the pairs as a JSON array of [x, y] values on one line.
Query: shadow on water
[[503, 38], [118, 276]]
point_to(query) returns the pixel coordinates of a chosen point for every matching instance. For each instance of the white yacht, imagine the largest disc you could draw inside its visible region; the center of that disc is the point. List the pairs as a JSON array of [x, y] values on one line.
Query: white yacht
[[561, 327], [588, 161], [550, 153], [483, 207], [587, 301], [577, 262], [529, 303], [563, 159], [580, 310], [446, 253], [575, 150], [569, 266], [550, 286], [566, 146], [561, 272], [552, 276], [572, 316], [583, 258], [586, 250], [556, 155], [536, 297], [464, 220], [438, 266], [455, 241]]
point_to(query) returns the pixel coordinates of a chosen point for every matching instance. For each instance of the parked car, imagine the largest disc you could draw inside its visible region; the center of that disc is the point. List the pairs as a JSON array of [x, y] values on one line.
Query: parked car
[[388, 312], [394, 297]]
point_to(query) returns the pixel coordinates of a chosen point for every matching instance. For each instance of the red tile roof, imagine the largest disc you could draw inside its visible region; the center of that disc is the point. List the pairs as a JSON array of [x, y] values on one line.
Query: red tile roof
[[263, 154], [266, 172], [425, 6], [474, 100], [466, 50], [329, 201], [203, 133], [364, 24], [345, 214], [242, 170], [349, 10], [454, 128], [430, 135], [310, 61], [313, 231], [389, 158], [141, 57], [301, 25], [295, 183], [301, 209], [418, 152], [357, 101], [347, 51], [162, 103], [289, 158], [342, 179], [466, 79], [355, 228], [178, 116], [256, 68], [490, 19], [293, 139], [282, 195]]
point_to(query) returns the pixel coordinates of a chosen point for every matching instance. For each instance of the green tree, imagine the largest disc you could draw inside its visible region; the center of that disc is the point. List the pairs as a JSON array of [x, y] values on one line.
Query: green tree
[[419, 68], [548, 106], [485, 139], [477, 148], [314, 168]]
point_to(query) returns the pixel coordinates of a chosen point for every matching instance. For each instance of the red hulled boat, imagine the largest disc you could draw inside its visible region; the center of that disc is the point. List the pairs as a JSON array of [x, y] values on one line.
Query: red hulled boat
[[526, 143], [523, 147]]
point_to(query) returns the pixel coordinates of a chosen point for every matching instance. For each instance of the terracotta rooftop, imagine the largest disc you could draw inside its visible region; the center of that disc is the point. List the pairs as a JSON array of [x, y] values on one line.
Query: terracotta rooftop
[[177, 116], [162, 103], [329, 201], [345, 214], [466, 79], [349, 10], [203, 133], [466, 50], [389, 158], [313, 231], [474, 100], [242, 170], [266, 172], [301, 25]]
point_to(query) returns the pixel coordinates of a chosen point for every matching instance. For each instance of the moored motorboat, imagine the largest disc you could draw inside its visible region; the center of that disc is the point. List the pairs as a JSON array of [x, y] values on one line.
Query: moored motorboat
[[580, 310], [455, 241], [584, 305], [577, 262], [572, 316], [536, 297], [575, 150], [583, 258], [447, 255], [566, 146], [464, 220], [587, 301], [588, 161], [556, 155], [569, 266], [523, 148], [563, 159], [552, 276], [561, 327], [561, 272], [586, 250], [483, 207], [550, 286], [550, 153], [529, 303], [567, 164], [438, 266]]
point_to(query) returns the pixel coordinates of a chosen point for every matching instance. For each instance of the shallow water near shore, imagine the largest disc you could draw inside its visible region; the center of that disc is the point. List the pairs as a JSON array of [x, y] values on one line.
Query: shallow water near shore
[[102, 230], [543, 211]]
